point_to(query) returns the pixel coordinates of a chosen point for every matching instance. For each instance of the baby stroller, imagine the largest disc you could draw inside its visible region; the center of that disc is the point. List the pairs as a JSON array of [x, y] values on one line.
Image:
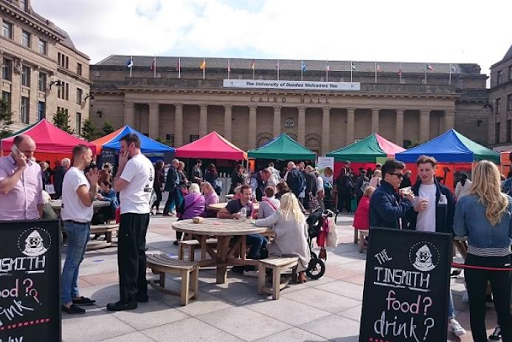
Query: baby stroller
[[315, 221]]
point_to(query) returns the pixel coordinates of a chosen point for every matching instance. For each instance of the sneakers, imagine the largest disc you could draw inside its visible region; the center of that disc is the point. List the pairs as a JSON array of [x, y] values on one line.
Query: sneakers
[[455, 326], [496, 335], [73, 309], [83, 301], [122, 306], [251, 274]]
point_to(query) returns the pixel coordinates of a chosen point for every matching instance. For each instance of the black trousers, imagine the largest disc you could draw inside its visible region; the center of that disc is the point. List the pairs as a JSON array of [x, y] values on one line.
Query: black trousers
[[476, 281], [131, 256], [173, 198], [344, 200], [158, 193]]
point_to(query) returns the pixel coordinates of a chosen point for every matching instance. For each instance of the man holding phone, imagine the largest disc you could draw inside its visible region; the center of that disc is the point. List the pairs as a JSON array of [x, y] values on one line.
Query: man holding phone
[[21, 182], [134, 182]]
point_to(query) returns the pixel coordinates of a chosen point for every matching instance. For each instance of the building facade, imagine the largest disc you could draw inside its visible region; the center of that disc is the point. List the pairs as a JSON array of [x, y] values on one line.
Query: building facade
[[407, 103], [42, 71], [500, 104]]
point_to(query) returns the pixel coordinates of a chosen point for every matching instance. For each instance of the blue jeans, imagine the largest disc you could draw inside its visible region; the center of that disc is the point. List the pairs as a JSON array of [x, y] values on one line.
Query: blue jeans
[[451, 310], [78, 235], [256, 242]]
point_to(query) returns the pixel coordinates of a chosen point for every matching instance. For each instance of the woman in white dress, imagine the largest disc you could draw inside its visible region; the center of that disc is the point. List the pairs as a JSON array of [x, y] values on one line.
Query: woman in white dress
[[289, 227]]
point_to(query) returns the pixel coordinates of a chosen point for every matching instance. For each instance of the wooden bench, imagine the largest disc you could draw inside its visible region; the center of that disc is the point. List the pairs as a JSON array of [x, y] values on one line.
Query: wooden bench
[[108, 229], [363, 234], [192, 245], [276, 264], [161, 264]]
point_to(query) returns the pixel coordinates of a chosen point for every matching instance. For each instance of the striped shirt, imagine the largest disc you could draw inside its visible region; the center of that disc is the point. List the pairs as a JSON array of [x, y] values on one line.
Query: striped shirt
[[489, 252]]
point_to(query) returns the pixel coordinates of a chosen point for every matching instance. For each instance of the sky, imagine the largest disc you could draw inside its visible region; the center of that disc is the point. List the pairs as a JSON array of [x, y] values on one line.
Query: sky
[[434, 31]]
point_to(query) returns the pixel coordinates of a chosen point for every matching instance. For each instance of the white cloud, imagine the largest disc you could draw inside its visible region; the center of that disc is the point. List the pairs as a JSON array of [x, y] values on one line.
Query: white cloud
[[400, 30]]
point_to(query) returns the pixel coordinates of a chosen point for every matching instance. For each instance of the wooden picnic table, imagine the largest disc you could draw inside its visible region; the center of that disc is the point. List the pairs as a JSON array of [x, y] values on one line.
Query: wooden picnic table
[[219, 206], [224, 230]]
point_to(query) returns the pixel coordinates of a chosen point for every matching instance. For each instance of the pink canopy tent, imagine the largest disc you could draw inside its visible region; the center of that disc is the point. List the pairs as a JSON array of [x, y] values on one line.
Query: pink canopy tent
[[211, 146]]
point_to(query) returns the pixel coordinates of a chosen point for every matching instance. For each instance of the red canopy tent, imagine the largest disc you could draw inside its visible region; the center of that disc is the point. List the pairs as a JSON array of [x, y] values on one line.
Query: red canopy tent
[[52, 142], [211, 146]]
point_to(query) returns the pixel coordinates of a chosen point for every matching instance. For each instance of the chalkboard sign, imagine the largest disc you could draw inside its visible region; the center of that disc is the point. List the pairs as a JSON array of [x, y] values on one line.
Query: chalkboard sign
[[406, 286], [106, 156], [30, 281]]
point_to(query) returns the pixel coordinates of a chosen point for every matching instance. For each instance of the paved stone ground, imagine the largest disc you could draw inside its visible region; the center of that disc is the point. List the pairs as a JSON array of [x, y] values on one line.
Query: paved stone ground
[[328, 309]]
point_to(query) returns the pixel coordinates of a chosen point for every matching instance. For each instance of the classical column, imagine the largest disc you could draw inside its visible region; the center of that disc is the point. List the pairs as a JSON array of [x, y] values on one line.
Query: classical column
[[375, 120], [277, 121], [301, 126], [326, 111], [178, 125], [449, 118], [350, 125], [154, 120], [252, 127], [203, 120], [129, 115], [399, 130], [228, 115], [424, 125]]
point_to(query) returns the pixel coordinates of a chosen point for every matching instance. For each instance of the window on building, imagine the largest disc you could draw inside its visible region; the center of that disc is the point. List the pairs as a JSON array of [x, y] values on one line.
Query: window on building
[[7, 70], [509, 102], [42, 47], [510, 73], [25, 106], [66, 95], [6, 96], [500, 77], [41, 110], [497, 106], [78, 124], [25, 76], [509, 130], [25, 39], [497, 132], [79, 69], [42, 81], [169, 139], [67, 62], [7, 30], [24, 5], [194, 137], [79, 93]]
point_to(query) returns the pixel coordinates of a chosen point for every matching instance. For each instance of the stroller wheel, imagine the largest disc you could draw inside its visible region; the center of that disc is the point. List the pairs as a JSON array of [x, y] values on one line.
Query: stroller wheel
[[316, 268], [313, 255]]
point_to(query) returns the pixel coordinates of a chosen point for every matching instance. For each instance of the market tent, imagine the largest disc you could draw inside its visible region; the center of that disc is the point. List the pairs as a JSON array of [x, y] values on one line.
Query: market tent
[[282, 147], [450, 147], [103, 140], [211, 146], [50, 140], [113, 141], [367, 150]]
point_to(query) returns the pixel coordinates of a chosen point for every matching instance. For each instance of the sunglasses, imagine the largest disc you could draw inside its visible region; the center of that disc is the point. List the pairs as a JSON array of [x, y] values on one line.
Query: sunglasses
[[399, 175]]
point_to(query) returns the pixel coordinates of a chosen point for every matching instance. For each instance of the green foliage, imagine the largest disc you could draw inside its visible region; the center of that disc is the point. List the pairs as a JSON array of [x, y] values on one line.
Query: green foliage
[[107, 128], [5, 119], [89, 131], [61, 120]]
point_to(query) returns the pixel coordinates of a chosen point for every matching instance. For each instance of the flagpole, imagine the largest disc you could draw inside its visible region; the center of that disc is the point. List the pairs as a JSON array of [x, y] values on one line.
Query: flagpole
[[301, 70], [253, 70], [179, 67], [154, 67], [375, 72], [450, 77], [351, 69]]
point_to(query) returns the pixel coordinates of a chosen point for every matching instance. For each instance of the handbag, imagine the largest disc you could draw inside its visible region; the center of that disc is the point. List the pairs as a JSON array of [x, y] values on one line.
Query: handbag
[[332, 234]]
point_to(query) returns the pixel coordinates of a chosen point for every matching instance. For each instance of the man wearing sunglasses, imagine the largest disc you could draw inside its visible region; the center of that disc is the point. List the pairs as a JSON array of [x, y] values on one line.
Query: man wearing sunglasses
[[387, 206]]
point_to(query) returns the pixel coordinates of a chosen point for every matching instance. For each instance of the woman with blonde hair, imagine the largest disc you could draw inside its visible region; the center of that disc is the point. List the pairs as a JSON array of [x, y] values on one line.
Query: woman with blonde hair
[[484, 216], [210, 197], [289, 227], [376, 179]]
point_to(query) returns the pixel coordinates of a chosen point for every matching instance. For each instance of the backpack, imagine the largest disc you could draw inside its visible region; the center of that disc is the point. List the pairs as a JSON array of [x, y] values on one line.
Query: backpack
[[364, 186]]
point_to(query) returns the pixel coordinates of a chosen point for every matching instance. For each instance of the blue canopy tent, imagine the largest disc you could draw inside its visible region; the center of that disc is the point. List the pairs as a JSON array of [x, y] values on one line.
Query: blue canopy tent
[[147, 145], [450, 147]]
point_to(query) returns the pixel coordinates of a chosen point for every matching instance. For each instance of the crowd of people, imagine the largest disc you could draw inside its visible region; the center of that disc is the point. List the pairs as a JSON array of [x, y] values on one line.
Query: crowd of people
[[479, 209]]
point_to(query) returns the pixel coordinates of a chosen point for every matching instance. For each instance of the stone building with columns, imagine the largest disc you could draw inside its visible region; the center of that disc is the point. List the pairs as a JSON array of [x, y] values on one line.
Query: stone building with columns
[[179, 102], [42, 70]]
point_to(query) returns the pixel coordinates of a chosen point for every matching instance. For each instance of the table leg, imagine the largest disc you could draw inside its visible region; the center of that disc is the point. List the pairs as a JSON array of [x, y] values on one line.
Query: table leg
[[222, 253]]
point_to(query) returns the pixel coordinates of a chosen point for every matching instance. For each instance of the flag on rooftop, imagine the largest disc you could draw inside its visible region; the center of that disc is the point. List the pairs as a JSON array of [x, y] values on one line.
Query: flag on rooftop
[[129, 62], [429, 67], [203, 65], [327, 67], [303, 66], [352, 65], [379, 69], [253, 64], [153, 64]]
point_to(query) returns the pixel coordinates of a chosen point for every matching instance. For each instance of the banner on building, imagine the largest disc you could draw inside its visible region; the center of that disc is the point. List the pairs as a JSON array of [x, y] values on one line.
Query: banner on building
[[292, 85]]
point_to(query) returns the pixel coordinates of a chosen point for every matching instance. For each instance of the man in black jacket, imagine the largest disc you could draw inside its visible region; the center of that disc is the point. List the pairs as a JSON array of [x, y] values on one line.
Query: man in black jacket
[[58, 176], [310, 185], [433, 211], [172, 186], [295, 179]]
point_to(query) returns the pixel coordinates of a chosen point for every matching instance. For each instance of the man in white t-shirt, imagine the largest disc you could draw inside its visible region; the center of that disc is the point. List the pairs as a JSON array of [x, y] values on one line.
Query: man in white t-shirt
[[134, 182], [78, 193], [433, 211]]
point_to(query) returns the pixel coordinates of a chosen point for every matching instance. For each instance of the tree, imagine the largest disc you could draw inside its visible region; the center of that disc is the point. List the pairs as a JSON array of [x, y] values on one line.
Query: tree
[[61, 120], [89, 131], [5, 119], [107, 128]]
